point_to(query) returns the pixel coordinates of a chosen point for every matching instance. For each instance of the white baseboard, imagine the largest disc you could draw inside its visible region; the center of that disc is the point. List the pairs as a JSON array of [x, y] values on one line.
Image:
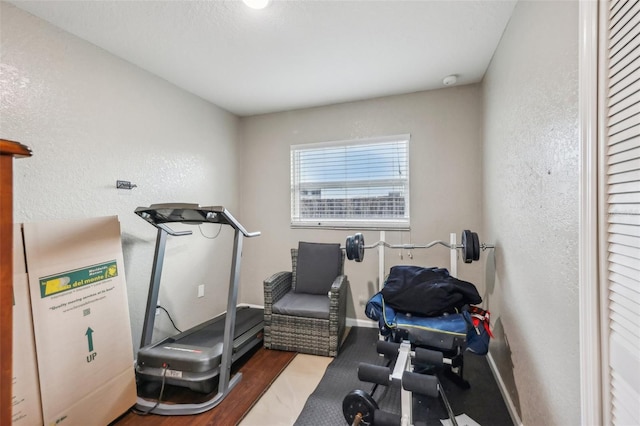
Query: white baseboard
[[503, 390], [250, 305], [355, 322]]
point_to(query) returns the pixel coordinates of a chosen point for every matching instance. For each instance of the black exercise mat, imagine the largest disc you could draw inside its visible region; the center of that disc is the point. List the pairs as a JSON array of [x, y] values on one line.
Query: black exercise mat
[[324, 405], [483, 402]]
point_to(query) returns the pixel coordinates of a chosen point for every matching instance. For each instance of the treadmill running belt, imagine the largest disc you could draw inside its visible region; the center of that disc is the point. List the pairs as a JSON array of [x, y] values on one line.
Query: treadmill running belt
[[212, 332]]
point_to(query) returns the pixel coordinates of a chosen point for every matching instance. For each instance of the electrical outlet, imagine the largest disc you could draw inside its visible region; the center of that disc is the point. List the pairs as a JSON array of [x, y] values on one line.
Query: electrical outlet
[[201, 290]]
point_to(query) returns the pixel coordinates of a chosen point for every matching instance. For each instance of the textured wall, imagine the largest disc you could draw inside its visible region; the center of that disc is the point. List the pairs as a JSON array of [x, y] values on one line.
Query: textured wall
[[445, 167], [531, 173], [91, 119]]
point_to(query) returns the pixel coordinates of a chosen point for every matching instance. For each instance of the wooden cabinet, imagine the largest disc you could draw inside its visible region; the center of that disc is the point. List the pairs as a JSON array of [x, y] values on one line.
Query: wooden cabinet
[[8, 151]]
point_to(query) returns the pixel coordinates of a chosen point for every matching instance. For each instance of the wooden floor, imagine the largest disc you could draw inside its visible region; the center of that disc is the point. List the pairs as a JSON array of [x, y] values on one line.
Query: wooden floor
[[258, 372]]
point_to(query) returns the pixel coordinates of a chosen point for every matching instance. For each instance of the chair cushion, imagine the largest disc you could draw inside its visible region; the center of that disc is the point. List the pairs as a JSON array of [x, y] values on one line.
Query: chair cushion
[[318, 265], [303, 305]]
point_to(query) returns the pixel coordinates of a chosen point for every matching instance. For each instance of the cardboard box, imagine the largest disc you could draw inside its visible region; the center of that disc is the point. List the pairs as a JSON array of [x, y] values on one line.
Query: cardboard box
[[81, 320], [26, 409]]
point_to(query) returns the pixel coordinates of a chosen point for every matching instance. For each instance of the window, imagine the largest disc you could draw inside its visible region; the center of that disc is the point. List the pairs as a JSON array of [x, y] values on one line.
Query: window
[[361, 183]]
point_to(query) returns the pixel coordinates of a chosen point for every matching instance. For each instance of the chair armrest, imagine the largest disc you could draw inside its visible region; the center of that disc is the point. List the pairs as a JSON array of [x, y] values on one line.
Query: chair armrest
[[275, 287], [338, 296], [339, 285], [338, 309]]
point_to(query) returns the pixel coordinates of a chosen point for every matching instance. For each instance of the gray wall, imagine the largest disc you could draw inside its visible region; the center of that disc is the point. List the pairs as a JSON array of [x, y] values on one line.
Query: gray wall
[[445, 170], [531, 153], [90, 119]]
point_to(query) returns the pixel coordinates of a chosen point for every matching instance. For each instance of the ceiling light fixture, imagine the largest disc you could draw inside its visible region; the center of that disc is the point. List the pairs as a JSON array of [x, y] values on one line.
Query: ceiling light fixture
[[257, 4], [450, 80]]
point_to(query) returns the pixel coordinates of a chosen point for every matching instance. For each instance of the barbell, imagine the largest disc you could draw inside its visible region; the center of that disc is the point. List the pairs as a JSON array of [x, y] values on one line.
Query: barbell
[[470, 246]]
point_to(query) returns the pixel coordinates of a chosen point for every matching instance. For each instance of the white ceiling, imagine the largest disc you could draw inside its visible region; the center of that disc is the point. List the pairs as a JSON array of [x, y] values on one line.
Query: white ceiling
[[294, 54]]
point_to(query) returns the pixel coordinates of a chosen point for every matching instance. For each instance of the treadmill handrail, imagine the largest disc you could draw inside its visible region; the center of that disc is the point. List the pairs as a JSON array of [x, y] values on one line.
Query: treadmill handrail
[[234, 223], [159, 214]]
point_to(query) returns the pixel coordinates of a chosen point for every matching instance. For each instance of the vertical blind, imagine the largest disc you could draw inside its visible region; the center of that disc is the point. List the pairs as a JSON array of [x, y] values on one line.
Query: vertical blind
[[355, 183], [622, 207]]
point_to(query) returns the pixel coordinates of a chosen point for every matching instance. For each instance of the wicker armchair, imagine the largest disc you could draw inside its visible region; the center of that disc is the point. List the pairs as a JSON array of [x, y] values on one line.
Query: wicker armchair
[[296, 320]]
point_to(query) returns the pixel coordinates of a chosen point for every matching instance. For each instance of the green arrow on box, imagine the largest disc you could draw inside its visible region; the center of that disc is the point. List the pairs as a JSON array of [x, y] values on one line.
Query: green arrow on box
[[89, 335]]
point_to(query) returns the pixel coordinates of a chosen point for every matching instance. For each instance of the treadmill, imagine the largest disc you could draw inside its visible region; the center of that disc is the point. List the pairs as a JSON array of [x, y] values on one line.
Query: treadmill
[[201, 357]]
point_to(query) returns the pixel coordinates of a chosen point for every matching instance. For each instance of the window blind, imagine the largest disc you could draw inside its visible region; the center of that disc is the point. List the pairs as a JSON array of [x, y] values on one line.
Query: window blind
[[355, 183], [621, 257]]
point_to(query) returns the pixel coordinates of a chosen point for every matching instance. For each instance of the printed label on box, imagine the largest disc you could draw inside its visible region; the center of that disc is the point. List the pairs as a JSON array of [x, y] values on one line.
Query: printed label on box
[[55, 284]]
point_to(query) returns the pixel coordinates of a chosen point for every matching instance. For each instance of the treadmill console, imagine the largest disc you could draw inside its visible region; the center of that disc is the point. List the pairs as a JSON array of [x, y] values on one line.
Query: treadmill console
[[159, 215]]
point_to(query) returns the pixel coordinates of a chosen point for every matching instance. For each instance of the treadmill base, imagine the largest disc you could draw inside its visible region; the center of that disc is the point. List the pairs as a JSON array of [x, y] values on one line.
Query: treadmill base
[[196, 362], [184, 409]]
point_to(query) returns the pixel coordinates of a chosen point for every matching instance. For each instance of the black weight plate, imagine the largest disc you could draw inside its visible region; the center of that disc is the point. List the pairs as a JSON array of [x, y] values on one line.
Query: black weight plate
[[348, 247], [354, 247], [467, 246], [359, 402], [476, 246], [360, 247]]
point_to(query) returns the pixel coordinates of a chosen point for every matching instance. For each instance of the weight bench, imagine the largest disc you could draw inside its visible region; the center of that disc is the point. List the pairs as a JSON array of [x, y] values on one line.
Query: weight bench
[[446, 334], [464, 329]]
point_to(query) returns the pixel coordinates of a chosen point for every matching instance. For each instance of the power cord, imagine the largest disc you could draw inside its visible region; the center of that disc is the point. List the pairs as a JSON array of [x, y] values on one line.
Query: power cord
[[170, 319], [165, 367], [210, 238]]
